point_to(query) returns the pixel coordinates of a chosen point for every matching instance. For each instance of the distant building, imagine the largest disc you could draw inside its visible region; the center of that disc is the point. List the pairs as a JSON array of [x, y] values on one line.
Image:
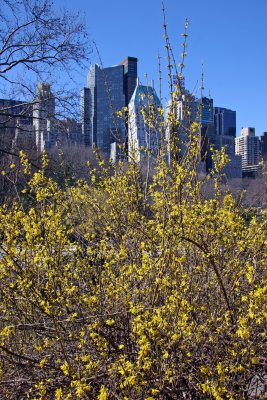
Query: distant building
[[248, 147], [205, 116], [69, 132], [15, 118], [181, 112], [44, 123], [225, 133], [86, 117], [24, 135], [217, 129], [107, 97], [143, 137], [206, 111], [224, 122], [130, 77], [108, 91], [263, 146], [34, 126]]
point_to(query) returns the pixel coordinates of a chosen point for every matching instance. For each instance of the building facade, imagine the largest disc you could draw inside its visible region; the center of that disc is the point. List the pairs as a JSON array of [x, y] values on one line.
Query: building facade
[[263, 146], [205, 116], [181, 112], [15, 123], [144, 138], [224, 122], [248, 147], [44, 118], [225, 133], [108, 91]]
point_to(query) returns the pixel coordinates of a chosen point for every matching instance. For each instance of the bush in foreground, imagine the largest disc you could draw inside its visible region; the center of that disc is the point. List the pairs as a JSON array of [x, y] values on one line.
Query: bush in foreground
[[118, 289]]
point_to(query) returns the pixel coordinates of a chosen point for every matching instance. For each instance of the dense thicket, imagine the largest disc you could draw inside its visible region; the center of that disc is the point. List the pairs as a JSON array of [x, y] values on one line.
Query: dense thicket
[[114, 289]]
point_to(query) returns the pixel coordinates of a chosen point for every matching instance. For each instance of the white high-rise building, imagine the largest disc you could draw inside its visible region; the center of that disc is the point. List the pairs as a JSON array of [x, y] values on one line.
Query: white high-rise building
[[144, 126], [180, 113], [248, 147]]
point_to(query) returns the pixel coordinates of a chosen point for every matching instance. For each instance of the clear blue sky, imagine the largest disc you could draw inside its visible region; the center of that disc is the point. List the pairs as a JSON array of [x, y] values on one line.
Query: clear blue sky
[[229, 37]]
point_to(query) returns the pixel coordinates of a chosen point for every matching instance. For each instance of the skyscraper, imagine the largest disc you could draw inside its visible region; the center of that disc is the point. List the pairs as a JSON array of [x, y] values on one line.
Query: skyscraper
[[85, 116], [206, 111], [263, 146], [248, 146], [44, 117], [181, 112], [108, 91], [225, 122], [144, 137], [205, 117], [225, 132], [225, 129], [130, 77]]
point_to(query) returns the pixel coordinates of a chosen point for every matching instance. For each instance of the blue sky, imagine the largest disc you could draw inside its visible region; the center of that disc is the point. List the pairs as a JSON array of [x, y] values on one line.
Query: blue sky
[[229, 37]]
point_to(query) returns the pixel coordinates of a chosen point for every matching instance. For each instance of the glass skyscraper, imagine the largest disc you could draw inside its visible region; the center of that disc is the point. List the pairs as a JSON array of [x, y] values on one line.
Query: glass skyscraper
[[108, 91], [225, 121]]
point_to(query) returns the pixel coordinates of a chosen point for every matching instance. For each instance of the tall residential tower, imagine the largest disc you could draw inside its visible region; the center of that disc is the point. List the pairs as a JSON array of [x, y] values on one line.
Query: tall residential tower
[[248, 146]]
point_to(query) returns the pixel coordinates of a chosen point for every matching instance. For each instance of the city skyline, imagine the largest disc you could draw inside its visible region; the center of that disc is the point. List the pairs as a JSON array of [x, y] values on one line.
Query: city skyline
[[228, 40]]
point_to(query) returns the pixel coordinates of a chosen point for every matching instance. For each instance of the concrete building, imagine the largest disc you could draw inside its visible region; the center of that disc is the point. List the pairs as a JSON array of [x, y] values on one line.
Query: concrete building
[[248, 147], [24, 135], [69, 132], [15, 117], [44, 123], [34, 126], [181, 112]]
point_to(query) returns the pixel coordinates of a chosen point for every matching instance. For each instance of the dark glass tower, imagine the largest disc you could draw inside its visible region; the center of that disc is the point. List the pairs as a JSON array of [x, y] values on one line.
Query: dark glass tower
[[206, 110], [85, 116], [263, 145], [130, 77], [225, 132], [108, 91], [225, 122], [206, 118]]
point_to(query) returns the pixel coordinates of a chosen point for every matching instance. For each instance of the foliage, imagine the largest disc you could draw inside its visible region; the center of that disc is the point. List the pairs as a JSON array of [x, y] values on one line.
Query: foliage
[[129, 285], [110, 293]]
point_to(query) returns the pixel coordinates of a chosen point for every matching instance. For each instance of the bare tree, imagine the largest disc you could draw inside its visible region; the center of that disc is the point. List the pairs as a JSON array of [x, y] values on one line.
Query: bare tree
[[38, 43], [33, 37]]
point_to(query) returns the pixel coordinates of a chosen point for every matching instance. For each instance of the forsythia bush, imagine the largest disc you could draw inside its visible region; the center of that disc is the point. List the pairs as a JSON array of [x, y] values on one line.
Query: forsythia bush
[[118, 288]]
